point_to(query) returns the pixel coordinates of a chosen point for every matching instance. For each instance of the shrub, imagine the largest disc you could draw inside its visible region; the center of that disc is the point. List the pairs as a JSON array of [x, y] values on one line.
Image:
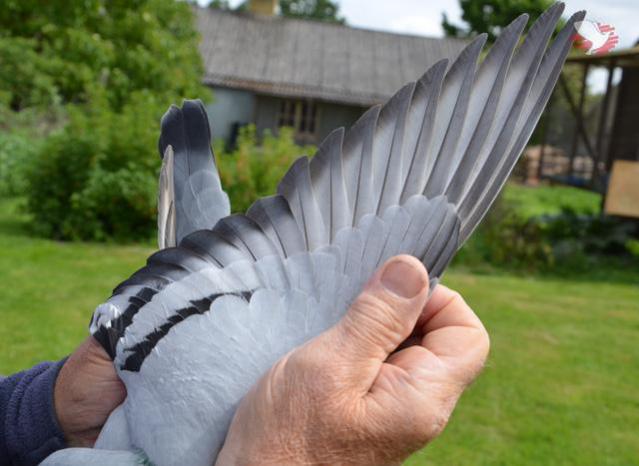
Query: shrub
[[506, 238], [575, 236], [17, 149], [97, 178], [63, 51], [21, 138], [570, 240], [115, 67], [253, 169]]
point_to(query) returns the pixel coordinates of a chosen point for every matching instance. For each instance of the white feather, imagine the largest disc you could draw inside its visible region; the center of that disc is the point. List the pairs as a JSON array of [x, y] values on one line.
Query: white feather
[[166, 202]]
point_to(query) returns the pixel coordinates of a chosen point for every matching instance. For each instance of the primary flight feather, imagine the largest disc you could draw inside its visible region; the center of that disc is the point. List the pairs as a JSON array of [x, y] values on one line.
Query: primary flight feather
[[192, 331]]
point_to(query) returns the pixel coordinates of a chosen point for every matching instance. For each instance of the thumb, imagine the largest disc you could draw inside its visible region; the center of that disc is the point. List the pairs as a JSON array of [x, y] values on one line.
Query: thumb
[[384, 314]]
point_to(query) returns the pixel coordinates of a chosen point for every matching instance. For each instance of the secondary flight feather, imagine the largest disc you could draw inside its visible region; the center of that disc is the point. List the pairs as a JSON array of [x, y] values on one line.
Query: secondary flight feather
[[192, 331]]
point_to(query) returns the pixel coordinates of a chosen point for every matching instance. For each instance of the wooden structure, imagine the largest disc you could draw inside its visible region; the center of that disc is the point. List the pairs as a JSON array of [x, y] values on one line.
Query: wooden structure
[[616, 136], [623, 190]]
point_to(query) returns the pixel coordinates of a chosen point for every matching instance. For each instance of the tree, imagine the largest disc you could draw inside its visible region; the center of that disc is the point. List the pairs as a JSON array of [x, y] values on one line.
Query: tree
[[113, 67], [59, 51], [317, 10], [491, 16]]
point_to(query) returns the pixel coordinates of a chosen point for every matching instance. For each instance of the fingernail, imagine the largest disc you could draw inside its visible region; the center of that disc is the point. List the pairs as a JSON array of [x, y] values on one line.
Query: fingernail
[[403, 278]]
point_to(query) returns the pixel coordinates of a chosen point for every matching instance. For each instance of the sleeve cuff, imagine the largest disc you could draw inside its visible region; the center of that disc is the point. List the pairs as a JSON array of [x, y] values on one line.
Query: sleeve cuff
[[32, 428]]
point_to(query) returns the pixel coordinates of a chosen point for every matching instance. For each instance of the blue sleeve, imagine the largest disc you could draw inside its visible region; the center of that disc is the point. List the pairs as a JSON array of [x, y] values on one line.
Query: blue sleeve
[[29, 430]]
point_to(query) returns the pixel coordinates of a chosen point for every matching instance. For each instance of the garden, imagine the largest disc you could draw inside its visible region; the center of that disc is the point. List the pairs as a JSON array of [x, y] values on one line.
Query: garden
[[555, 282]]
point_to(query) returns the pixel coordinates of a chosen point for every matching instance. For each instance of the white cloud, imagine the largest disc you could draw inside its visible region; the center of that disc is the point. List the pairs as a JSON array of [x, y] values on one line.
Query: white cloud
[[404, 16], [420, 25]]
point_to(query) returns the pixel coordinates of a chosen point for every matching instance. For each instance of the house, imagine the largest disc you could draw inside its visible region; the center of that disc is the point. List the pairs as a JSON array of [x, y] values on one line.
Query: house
[[312, 76]]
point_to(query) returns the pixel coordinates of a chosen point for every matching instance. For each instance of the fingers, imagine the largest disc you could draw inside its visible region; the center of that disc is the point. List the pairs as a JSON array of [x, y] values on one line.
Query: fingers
[[383, 315], [453, 340], [447, 308]]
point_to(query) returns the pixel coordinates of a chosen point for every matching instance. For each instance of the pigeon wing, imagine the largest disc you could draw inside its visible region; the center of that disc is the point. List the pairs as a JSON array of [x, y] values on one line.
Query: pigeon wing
[[435, 157], [414, 176]]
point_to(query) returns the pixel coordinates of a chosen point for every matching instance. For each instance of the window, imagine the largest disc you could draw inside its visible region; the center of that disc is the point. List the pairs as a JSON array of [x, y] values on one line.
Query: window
[[301, 115]]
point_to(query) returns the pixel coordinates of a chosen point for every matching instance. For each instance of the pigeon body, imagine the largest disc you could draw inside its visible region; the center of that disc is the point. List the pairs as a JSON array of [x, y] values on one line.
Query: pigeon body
[[192, 331]]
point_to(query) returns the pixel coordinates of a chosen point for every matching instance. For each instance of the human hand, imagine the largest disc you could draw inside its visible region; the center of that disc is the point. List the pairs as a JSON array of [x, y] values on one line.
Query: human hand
[[85, 393], [373, 389]]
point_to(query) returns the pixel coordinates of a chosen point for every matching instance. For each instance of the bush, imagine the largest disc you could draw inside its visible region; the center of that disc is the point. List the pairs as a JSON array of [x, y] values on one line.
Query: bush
[[21, 138], [253, 169], [115, 67], [17, 149], [506, 238], [575, 236], [61, 52], [97, 178], [570, 240]]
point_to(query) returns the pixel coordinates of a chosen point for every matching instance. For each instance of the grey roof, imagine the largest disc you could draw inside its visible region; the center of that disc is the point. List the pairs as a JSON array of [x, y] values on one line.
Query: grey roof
[[298, 58]]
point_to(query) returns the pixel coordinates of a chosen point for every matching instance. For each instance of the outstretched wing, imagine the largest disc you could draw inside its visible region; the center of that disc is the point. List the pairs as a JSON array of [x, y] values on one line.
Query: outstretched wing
[[415, 176], [435, 156], [190, 194]]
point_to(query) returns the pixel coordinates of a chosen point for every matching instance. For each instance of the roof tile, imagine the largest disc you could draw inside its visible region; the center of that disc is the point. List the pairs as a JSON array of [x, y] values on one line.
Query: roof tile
[[300, 58]]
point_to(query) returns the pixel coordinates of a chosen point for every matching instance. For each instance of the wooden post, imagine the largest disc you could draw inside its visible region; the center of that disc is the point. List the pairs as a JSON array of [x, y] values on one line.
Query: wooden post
[[575, 112], [602, 153], [579, 116], [544, 138]]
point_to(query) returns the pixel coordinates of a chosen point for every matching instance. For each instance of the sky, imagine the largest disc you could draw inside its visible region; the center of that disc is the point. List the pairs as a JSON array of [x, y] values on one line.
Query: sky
[[423, 17]]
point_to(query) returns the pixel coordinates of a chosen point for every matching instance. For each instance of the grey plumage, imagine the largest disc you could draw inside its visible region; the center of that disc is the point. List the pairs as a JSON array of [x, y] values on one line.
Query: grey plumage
[[194, 329], [88, 456], [166, 202], [191, 196]]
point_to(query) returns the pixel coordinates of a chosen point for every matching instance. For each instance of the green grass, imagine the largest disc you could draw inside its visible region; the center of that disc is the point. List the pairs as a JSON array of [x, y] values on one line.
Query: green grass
[[49, 289], [560, 386], [540, 200]]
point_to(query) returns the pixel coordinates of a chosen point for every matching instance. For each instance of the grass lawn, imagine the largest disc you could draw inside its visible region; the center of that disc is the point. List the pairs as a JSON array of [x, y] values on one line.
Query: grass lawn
[[561, 386]]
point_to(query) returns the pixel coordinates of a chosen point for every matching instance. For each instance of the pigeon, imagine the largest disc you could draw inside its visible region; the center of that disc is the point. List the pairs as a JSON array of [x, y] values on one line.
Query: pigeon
[[194, 329]]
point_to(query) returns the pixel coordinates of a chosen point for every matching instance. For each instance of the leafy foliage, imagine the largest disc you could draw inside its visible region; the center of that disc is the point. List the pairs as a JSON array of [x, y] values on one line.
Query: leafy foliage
[[21, 137], [564, 234], [253, 169], [114, 66], [490, 16], [225, 5], [59, 51], [317, 10], [505, 238], [97, 178]]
